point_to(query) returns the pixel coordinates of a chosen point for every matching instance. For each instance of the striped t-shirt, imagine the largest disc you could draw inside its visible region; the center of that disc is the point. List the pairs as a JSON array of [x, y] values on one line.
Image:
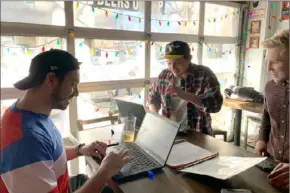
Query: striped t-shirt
[[33, 158]]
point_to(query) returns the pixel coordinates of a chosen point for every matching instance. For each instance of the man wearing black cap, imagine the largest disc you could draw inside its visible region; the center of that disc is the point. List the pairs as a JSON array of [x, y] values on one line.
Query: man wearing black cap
[[33, 158], [186, 92]]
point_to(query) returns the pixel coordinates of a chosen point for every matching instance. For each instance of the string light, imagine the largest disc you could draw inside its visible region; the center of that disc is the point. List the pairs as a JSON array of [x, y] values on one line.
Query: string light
[[93, 9], [117, 16], [106, 14], [58, 42], [168, 23], [107, 54], [43, 49], [160, 23], [92, 51], [129, 18], [28, 52], [185, 24], [139, 20], [77, 5]]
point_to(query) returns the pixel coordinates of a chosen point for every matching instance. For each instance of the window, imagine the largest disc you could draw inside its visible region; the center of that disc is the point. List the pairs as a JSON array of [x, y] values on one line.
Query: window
[[59, 118], [221, 20], [158, 50], [105, 60], [175, 17], [17, 52], [36, 12], [98, 104], [220, 58], [121, 15]]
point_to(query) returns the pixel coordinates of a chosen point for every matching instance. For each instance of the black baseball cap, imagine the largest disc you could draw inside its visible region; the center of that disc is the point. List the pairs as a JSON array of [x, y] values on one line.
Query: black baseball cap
[[58, 61], [176, 50]]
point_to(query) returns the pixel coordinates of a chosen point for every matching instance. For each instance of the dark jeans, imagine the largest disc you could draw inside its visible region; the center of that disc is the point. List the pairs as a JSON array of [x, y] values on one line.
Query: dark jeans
[[75, 182]]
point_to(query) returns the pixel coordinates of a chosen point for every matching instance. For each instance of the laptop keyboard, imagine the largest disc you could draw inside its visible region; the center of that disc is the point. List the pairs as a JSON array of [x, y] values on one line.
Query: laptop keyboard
[[140, 161]]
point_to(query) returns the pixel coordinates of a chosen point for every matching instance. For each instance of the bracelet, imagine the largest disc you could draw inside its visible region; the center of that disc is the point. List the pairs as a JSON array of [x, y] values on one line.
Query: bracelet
[[78, 148]]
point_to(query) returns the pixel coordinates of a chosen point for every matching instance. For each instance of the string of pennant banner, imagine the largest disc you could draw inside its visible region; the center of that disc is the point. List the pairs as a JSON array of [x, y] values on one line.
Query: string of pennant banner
[[115, 51], [160, 21]]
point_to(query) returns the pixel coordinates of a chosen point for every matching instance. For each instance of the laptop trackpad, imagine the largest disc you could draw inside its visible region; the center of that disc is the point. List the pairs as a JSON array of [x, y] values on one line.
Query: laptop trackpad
[[127, 169]]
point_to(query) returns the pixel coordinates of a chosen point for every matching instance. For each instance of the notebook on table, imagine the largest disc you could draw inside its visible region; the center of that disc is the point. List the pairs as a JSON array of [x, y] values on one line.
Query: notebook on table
[[185, 154]]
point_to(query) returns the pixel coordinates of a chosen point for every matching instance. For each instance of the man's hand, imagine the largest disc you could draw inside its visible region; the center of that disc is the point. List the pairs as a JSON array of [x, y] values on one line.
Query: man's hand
[[153, 108], [279, 177], [173, 90], [97, 149], [113, 162], [261, 147]]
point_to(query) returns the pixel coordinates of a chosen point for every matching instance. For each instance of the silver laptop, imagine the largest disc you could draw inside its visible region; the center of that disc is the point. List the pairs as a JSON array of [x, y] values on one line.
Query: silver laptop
[[129, 108], [151, 148]]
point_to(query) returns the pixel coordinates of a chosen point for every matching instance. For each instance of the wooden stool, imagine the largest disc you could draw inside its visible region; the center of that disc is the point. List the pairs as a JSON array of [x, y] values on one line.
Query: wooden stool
[[220, 132]]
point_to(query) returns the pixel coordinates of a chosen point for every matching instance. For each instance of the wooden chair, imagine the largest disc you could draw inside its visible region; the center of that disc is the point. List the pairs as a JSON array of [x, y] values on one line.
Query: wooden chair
[[113, 117], [220, 132]]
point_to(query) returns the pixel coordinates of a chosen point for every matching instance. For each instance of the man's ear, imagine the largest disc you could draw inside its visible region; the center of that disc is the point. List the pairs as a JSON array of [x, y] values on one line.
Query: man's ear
[[51, 80], [190, 58]]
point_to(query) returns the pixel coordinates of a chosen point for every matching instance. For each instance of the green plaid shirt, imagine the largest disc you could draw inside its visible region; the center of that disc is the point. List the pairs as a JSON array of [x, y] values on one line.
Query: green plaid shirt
[[200, 81]]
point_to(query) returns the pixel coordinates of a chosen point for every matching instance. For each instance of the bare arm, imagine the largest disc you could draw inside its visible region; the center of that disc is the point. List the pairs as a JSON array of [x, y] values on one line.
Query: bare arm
[[71, 152]]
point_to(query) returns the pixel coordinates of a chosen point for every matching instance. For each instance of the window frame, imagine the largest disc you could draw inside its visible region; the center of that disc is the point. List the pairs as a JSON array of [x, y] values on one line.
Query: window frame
[[23, 29]]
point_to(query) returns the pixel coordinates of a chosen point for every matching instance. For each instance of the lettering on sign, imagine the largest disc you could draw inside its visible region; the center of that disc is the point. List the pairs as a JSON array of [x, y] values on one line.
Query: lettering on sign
[[127, 5]]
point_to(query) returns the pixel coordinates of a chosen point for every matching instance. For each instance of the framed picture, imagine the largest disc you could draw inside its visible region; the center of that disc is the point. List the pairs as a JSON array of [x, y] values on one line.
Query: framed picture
[[254, 42], [255, 27], [285, 10]]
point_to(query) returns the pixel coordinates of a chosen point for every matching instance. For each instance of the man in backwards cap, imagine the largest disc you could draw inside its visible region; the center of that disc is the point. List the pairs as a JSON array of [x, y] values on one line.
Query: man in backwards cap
[[187, 92], [33, 158]]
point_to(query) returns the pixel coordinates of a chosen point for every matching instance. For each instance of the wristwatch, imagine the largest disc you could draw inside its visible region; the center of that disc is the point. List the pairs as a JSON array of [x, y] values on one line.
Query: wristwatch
[[78, 148]]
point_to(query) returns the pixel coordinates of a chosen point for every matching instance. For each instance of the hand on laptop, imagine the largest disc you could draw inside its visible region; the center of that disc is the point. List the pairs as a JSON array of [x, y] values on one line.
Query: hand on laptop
[[114, 161]]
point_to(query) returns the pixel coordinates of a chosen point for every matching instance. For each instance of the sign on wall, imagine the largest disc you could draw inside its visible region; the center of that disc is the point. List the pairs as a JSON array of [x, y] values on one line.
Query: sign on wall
[[285, 10], [121, 5]]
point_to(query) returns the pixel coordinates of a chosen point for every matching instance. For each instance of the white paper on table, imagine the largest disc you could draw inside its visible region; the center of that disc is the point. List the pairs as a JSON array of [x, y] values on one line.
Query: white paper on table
[[185, 152], [224, 167]]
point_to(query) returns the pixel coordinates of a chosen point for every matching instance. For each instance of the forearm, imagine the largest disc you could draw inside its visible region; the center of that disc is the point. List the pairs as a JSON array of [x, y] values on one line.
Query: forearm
[[265, 128], [71, 152], [95, 184]]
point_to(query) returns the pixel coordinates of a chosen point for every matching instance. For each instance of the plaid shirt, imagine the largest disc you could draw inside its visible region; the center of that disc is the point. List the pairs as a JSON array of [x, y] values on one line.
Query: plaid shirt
[[200, 81]]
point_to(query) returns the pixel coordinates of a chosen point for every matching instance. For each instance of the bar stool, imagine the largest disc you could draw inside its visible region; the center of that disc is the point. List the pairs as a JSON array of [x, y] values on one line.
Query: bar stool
[[256, 119]]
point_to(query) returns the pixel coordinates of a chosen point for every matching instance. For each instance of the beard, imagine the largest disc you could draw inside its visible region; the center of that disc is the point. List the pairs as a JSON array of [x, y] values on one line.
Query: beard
[[58, 101]]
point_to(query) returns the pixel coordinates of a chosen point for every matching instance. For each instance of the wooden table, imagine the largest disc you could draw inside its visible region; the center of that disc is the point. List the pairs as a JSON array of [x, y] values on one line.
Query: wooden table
[[238, 106], [172, 182]]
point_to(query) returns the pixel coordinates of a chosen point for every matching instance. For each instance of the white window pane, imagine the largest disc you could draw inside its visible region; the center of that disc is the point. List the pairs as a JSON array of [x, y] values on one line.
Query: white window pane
[[221, 59], [36, 12], [98, 104], [105, 60], [17, 52], [221, 20], [118, 13], [175, 17], [59, 118], [158, 50]]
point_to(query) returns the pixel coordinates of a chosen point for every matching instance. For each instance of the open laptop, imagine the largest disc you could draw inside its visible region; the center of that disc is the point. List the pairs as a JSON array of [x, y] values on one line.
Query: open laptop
[[151, 148], [129, 108]]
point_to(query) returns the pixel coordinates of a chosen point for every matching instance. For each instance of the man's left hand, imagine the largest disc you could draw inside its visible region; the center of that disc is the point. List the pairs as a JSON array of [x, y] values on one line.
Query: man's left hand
[[97, 149], [279, 177], [173, 90]]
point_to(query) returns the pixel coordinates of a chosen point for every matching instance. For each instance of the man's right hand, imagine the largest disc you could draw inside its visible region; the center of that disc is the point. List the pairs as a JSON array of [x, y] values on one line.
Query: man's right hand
[[261, 147], [153, 108], [113, 162]]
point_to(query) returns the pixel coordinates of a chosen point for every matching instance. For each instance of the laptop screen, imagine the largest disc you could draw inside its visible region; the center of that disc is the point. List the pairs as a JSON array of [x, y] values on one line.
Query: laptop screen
[[130, 108], [156, 136]]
